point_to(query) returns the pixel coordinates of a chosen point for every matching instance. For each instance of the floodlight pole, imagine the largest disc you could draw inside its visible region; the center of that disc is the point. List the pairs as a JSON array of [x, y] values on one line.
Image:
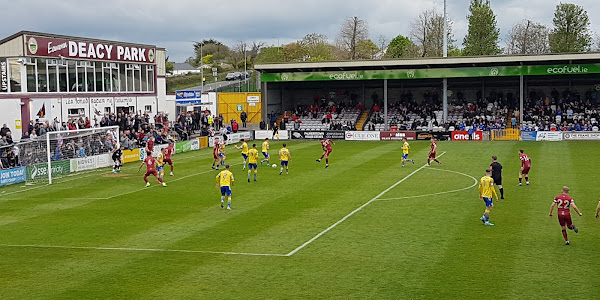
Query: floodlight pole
[[445, 80], [201, 68]]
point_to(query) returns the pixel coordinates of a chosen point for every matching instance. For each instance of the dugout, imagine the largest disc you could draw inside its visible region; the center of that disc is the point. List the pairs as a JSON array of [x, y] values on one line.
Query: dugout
[[285, 85]]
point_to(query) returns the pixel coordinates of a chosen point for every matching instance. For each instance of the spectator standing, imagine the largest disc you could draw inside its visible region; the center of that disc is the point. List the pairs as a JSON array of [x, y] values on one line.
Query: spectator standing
[[243, 117]]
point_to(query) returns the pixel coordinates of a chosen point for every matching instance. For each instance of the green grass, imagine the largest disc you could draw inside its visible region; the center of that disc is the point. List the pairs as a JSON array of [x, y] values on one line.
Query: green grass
[[408, 246]]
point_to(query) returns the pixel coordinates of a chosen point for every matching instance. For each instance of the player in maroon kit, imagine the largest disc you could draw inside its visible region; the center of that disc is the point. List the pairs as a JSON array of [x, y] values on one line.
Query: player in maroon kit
[[326, 145], [525, 166], [150, 145], [216, 157], [151, 165], [564, 202], [432, 153], [170, 150]]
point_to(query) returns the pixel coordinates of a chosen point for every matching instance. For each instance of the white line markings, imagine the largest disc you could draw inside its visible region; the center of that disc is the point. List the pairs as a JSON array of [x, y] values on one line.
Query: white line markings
[[475, 182], [357, 210], [141, 250]]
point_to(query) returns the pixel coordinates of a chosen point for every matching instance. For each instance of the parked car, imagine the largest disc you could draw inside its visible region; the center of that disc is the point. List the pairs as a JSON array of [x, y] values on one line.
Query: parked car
[[231, 76], [239, 75]]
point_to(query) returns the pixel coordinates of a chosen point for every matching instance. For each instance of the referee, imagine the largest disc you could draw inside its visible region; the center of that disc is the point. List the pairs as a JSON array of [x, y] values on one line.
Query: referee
[[496, 168]]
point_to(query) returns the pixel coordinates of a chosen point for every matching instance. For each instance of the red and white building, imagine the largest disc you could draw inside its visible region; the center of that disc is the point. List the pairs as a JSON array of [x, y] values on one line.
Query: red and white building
[[46, 77]]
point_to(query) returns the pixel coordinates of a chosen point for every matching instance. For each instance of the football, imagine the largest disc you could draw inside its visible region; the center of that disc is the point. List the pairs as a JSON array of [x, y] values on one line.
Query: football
[[274, 166]]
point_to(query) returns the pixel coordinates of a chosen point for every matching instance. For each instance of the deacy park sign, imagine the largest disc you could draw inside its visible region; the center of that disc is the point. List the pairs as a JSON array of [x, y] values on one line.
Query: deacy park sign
[[433, 73]]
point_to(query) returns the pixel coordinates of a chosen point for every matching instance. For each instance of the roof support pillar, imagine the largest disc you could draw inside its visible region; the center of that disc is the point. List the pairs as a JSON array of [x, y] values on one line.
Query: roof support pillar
[[385, 103], [445, 99], [521, 97]]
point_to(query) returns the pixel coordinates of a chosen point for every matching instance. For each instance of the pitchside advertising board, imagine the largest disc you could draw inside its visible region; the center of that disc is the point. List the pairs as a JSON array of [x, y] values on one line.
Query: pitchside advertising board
[[231, 138], [398, 135], [11, 176], [40, 171], [465, 136], [554, 136], [263, 134], [578, 135], [362, 135], [529, 136], [318, 135]]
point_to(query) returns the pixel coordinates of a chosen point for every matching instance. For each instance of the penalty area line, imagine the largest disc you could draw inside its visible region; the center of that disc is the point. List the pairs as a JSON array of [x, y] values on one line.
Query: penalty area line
[[140, 250], [314, 238]]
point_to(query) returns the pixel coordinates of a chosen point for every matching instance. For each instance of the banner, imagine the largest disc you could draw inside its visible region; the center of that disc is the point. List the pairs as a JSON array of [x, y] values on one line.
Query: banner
[[84, 163], [96, 50], [362, 135], [142, 154], [131, 155], [529, 136], [554, 136], [232, 138], [334, 135], [3, 75], [11, 176], [263, 134], [580, 135], [104, 160], [397, 135], [40, 171], [465, 136], [195, 144], [462, 72]]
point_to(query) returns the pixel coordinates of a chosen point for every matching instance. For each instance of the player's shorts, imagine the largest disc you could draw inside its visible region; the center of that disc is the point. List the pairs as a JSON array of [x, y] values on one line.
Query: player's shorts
[[265, 154], [245, 156], [168, 161], [497, 180], [116, 157], [253, 166], [151, 172], [564, 220], [159, 168], [215, 155], [225, 191], [327, 151], [221, 154], [284, 163], [405, 156], [431, 155], [488, 201], [525, 171]]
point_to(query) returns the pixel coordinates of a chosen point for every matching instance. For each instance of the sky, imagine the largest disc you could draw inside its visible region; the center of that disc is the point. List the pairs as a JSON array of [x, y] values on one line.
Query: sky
[[175, 24]]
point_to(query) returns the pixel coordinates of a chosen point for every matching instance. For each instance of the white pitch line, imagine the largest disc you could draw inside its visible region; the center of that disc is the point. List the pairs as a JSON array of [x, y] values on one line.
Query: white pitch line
[[140, 250], [438, 193], [357, 210]]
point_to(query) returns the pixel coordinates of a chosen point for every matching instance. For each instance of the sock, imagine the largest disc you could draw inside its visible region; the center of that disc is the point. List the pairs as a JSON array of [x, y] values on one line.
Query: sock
[[437, 161], [520, 180], [280, 170], [327, 160], [287, 170], [564, 232], [229, 201], [502, 193], [526, 178], [403, 163], [244, 164], [486, 214], [222, 199], [322, 156], [145, 179], [255, 172], [428, 161], [249, 171], [171, 168]]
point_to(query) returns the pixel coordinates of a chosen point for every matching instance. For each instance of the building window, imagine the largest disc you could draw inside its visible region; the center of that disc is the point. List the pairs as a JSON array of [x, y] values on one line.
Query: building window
[[148, 108], [52, 75], [42, 75], [122, 78], [150, 76], [99, 79], [31, 71], [107, 110], [14, 69], [76, 112]]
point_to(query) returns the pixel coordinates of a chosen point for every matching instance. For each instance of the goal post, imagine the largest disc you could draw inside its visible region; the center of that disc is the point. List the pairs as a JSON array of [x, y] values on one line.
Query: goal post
[[59, 153]]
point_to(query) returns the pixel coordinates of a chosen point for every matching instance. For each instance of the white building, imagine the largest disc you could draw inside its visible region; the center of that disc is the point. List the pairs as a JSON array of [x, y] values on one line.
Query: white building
[[184, 68], [46, 76]]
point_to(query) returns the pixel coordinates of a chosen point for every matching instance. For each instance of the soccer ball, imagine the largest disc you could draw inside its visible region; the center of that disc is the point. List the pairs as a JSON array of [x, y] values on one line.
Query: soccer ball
[[274, 166]]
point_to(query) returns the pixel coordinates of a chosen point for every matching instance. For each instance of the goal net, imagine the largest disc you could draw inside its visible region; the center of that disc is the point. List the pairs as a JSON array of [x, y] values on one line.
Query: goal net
[[59, 153]]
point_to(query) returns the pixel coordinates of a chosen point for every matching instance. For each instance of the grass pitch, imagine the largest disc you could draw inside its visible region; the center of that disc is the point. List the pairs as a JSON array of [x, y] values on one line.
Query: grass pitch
[[99, 235]]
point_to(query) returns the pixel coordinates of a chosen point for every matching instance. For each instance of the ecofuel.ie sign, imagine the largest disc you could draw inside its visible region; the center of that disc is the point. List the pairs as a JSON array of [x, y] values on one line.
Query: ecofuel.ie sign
[[577, 69], [55, 47]]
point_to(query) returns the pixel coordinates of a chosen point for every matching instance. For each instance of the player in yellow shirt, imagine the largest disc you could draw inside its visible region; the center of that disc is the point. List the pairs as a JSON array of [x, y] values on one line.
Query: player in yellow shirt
[[244, 148], [160, 162], [222, 153], [285, 157], [405, 149], [252, 161], [486, 190], [225, 181], [265, 152]]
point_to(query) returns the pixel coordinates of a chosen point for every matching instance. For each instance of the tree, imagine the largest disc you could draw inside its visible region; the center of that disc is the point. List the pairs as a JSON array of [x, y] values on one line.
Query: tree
[[270, 55], [218, 50], [314, 47], [366, 49], [169, 66], [528, 37], [382, 43], [402, 47], [352, 32], [427, 33], [483, 33], [571, 32]]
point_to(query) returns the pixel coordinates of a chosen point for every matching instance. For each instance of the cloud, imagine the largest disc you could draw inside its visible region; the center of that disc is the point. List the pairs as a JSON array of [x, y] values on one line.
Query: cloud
[[175, 24]]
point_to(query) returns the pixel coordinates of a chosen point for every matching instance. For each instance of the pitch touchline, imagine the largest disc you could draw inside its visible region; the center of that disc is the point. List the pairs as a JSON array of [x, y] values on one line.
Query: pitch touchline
[[141, 250], [357, 210], [438, 193]]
